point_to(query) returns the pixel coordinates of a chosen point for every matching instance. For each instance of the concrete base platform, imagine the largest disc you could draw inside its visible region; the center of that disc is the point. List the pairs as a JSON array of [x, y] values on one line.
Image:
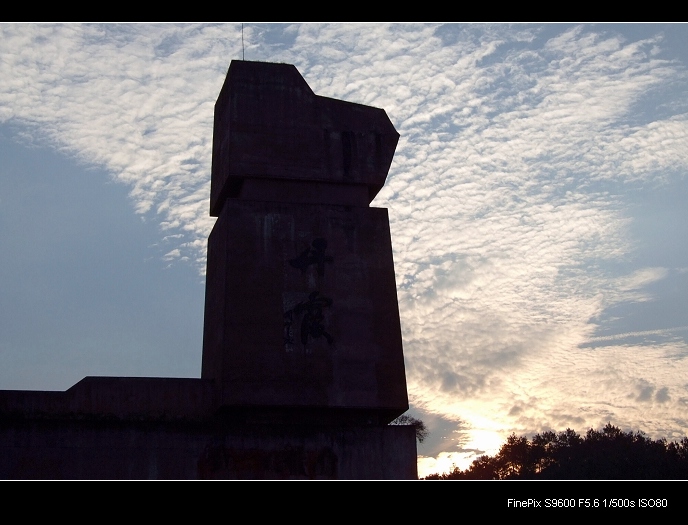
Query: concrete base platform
[[138, 428]]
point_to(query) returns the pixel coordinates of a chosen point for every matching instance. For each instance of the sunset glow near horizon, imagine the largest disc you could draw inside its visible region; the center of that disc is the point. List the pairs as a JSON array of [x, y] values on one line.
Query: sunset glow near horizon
[[537, 202]]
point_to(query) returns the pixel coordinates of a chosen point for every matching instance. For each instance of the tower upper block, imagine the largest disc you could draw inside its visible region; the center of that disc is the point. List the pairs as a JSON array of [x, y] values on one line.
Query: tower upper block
[[270, 125]]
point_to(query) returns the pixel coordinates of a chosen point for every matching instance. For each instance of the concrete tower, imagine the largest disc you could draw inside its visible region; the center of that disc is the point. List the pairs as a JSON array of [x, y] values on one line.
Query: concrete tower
[[301, 318]]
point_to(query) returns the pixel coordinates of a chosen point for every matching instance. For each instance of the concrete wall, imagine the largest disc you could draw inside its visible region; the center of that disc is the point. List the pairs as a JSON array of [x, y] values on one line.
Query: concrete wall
[[70, 449], [301, 308]]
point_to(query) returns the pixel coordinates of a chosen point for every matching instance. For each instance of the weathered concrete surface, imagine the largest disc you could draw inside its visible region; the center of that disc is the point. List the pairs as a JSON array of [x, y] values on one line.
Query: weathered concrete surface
[[313, 452], [269, 124], [167, 428], [61, 448], [156, 398], [301, 308]]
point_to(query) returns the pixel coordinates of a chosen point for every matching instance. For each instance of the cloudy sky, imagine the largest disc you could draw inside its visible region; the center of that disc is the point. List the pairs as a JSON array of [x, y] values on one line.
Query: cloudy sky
[[537, 202]]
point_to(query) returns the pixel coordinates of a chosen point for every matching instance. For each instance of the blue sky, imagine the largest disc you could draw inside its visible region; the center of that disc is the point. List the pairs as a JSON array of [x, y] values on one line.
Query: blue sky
[[536, 199]]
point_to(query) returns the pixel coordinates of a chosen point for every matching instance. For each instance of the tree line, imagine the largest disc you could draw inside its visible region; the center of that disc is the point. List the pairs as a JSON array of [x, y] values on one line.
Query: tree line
[[606, 454]]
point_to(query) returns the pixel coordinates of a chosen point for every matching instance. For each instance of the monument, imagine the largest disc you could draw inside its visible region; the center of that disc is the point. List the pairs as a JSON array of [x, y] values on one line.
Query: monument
[[301, 304], [302, 366]]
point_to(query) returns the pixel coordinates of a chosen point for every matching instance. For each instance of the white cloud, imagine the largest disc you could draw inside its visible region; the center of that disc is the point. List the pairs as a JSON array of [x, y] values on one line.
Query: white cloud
[[643, 277], [136, 100], [643, 333]]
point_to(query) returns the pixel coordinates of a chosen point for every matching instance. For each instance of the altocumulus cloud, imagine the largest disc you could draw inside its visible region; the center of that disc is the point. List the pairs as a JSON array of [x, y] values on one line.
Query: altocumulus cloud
[[508, 194], [137, 100]]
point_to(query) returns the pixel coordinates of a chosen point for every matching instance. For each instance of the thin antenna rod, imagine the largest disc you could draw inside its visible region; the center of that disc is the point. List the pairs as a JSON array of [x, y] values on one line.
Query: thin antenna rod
[[243, 56]]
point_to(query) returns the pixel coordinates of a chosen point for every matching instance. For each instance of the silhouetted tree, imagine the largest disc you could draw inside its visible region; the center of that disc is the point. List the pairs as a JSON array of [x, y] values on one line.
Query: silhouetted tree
[[606, 454], [421, 430]]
